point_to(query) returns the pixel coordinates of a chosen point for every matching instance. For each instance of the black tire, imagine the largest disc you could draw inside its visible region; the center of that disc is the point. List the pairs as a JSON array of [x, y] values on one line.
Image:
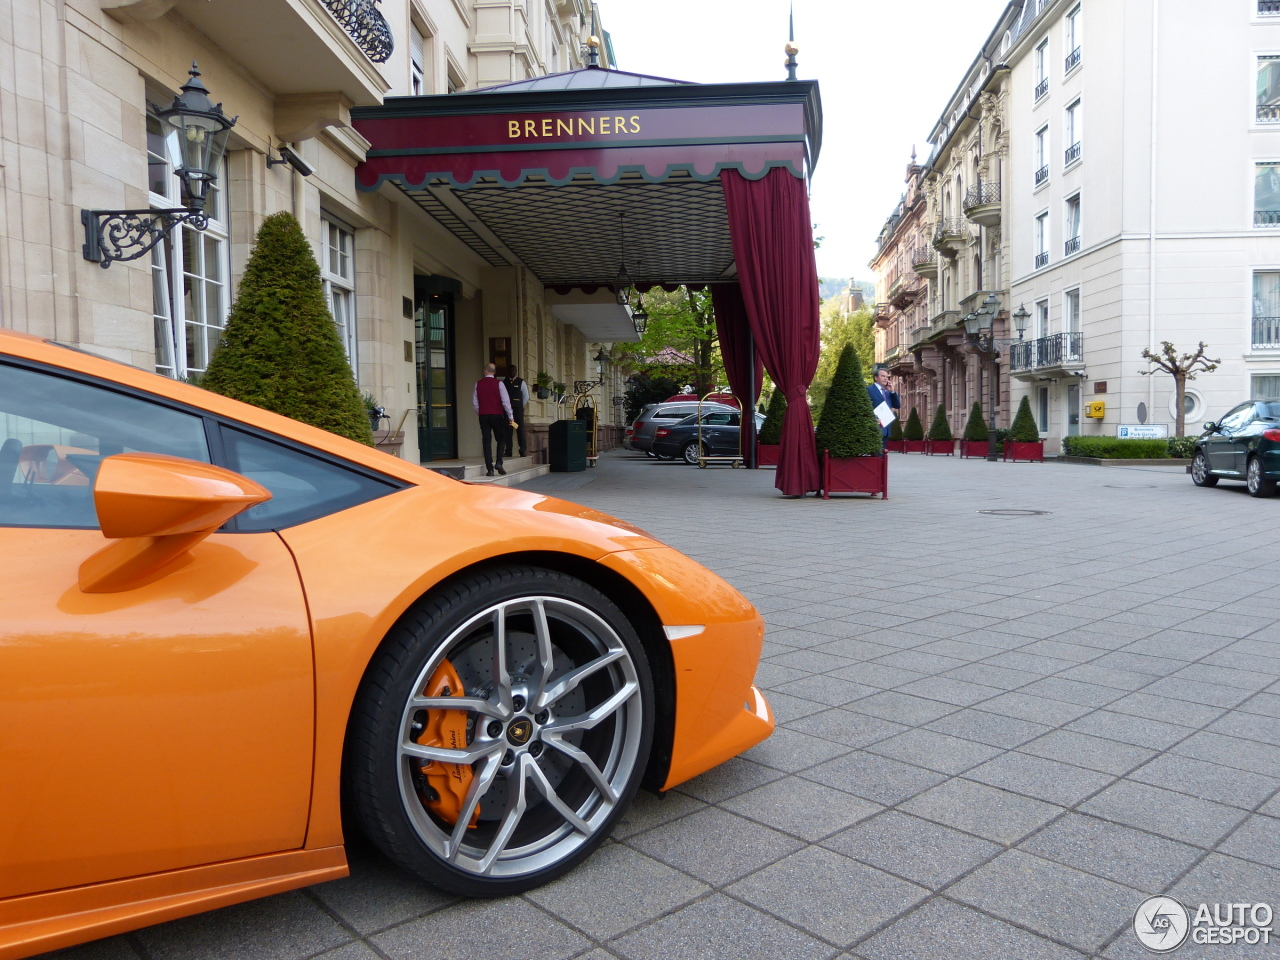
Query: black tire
[[1257, 482], [691, 453], [552, 756], [1200, 474]]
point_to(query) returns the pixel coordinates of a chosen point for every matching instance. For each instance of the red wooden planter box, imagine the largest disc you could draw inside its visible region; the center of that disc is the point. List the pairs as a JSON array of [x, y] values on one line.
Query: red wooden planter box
[[974, 448], [855, 475], [1024, 451], [767, 454], [913, 446], [940, 448], [896, 446]]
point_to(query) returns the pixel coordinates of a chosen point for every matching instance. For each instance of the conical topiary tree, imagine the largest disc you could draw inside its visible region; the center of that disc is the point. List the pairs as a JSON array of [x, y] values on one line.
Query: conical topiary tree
[[976, 428], [848, 426], [940, 429], [771, 429], [1024, 429], [281, 350], [914, 430], [895, 429]]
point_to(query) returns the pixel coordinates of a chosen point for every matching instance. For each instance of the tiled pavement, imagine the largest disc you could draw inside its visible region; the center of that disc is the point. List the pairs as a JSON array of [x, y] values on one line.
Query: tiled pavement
[[997, 735]]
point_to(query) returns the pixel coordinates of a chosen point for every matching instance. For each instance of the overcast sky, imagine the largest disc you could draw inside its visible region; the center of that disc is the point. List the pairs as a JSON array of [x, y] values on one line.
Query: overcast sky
[[886, 71]]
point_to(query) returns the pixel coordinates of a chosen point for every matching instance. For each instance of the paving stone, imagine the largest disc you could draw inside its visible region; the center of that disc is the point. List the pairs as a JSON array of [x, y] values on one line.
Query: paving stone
[[926, 663], [1164, 812], [481, 930], [988, 675], [981, 810], [791, 751], [1083, 750], [728, 780], [950, 690], [1257, 839], [1140, 663], [877, 675], [1073, 691], [824, 690], [1037, 709], [1249, 726], [810, 661], [770, 674], [1265, 704], [942, 930], [1210, 781], [288, 925], [989, 728], [802, 808], [616, 889], [351, 951], [829, 895], [960, 649], [875, 778], [1062, 648], [924, 852], [1197, 691], [718, 927], [860, 649], [902, 708], [1119, 853], [846, 727], [1044, 779], [1052, 899], [378, 894], [113, 948], [714, 845], [1138, 731], [935, 751], [1182, 712], [1232, 752]]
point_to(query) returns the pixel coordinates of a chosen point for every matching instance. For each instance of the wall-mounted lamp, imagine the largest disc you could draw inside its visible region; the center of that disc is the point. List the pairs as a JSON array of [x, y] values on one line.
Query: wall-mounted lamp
[[196, 137]]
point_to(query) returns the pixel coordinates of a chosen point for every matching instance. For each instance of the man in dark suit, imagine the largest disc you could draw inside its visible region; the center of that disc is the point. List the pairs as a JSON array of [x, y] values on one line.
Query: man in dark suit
[[879, 393]]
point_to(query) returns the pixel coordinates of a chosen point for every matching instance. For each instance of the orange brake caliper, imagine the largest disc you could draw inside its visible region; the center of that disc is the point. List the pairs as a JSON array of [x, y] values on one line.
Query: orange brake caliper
[[449, 782]]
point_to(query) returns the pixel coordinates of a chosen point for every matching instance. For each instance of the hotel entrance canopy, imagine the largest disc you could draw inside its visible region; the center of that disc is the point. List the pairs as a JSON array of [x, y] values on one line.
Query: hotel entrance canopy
[[578, 175]]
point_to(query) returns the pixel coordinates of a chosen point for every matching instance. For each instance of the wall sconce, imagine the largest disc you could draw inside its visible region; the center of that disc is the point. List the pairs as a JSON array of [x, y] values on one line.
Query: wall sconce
[[196, 137]]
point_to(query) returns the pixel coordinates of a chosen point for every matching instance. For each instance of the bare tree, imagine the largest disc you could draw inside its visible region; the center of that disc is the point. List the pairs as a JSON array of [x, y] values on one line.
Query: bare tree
[[1181, 368]]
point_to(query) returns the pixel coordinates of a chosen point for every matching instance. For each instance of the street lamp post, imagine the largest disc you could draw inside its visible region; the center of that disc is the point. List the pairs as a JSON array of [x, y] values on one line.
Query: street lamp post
[[979, 328]]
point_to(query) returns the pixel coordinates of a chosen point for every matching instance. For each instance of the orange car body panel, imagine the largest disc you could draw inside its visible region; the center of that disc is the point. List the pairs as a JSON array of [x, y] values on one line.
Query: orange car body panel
[[222, 666]]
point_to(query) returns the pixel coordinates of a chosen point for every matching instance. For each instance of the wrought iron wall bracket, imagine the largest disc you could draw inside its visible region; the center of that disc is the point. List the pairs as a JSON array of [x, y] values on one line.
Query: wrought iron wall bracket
[[585, 386], [111, 235]]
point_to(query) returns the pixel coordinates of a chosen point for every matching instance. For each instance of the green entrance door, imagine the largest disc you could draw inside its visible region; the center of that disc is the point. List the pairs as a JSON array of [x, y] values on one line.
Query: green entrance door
[[433, 356]]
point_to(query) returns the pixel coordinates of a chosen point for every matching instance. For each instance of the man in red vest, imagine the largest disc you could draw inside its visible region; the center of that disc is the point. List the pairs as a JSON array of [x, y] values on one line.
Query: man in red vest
[[494, 407]]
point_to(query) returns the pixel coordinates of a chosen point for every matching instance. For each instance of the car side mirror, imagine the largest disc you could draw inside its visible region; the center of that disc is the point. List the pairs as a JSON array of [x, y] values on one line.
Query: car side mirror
[[1211, 427], [156, 508]]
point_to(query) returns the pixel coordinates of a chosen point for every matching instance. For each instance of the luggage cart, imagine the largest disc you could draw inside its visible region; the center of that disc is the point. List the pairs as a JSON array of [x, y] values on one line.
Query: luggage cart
[[703, 458], [584, 408]]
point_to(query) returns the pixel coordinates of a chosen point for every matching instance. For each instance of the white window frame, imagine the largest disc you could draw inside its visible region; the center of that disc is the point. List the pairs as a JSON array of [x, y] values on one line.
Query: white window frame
[[1042, 319], [418, 85], [1275, 164], [1041, 57], [338, 273], [178, 324], [1074, 36], [1042, 154], [1071, 322], [1042, 238], [1072, 205], [1073, 117], [1258, 60]]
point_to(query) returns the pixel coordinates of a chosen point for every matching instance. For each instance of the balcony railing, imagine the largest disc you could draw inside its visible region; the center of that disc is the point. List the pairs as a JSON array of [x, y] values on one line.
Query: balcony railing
[[1266, 333], [1269, 112], [980, 194], [1042, 88], [1042, 259], [1042, 175], [1266, 218], [1268, 8], [1073, 59], [1072, 154], [923, 257], [1058, 350], [1070, 247], [367, 26]]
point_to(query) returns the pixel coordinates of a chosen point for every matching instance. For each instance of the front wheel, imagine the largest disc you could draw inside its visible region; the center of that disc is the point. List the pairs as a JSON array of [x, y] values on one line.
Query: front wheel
[[1200, 474], [501, 731], [691, 453], [1257, 482]]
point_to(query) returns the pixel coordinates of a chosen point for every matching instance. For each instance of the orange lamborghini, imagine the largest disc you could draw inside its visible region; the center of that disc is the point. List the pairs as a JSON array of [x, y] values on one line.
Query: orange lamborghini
[[218, 626]]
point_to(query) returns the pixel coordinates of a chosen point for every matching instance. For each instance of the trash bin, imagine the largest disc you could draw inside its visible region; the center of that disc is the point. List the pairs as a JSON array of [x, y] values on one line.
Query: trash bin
[[567, 446]]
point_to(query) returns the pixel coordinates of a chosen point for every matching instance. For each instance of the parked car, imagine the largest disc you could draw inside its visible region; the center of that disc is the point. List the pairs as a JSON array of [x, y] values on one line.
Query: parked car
[[1243, 445], [719, 438], [219, 622], [658, 413]]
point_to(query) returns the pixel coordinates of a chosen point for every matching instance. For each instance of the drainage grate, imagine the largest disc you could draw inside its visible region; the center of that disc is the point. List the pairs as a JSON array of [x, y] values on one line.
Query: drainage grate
[[1016, 513]]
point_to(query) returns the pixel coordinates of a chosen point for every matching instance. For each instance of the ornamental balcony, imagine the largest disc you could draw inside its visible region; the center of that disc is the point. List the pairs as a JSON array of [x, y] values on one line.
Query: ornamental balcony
[[1061, 353], [328, 64], [982, 203], [952, 234], [1268, 8], [1042, 89], [1266, 333], [1072, 60], [906, 291], [925, 264]]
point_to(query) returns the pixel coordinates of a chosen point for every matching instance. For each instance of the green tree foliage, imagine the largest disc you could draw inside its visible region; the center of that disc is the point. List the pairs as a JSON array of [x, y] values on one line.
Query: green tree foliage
[[895, 429], [684, 323], [839, 329], [976, 428], [940, 429], [1024, 429], [771, 429], [847, 426], [281, 350], [647, 388], [914, 430]]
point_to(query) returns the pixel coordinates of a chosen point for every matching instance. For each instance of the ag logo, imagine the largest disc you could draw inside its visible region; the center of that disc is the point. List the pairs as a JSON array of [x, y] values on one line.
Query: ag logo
[[1161, 924]]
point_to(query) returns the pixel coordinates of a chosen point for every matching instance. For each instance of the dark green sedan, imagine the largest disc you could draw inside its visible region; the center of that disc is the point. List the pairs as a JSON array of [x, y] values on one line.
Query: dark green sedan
[[1243, 445]]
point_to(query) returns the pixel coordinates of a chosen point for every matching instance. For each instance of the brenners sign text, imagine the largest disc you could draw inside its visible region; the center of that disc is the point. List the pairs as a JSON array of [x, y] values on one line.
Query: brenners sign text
[[573, 126]]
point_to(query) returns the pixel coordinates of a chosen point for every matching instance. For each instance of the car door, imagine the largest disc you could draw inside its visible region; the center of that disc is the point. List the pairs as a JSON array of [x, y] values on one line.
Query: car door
[[1223, 446], [152, 728], [713, 433]]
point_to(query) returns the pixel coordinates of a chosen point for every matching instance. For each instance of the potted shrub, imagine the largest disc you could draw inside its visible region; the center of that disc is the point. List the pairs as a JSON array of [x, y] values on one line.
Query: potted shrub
[[542, 384], [558, 389], [912, 433], [976, 435], [848, 435], [1023, 442], [896, 442], [769, 440], [940, 440]]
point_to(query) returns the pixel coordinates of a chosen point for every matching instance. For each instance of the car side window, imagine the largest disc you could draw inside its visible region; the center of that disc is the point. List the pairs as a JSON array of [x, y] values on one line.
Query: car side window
[[1238, 418], [55, 431], [303, 487], [719, 419]]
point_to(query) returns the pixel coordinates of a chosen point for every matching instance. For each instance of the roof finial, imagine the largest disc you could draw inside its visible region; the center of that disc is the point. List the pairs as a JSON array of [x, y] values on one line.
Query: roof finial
[[593, 51], [913, 154], [791, 48]]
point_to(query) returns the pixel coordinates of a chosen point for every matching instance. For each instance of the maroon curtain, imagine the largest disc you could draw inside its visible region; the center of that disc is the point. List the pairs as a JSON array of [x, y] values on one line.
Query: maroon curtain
[[773, 248], [742, 365]]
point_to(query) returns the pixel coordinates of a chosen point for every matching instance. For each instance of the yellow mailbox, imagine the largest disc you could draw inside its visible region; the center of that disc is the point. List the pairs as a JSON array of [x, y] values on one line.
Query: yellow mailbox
[[1095, 409]]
